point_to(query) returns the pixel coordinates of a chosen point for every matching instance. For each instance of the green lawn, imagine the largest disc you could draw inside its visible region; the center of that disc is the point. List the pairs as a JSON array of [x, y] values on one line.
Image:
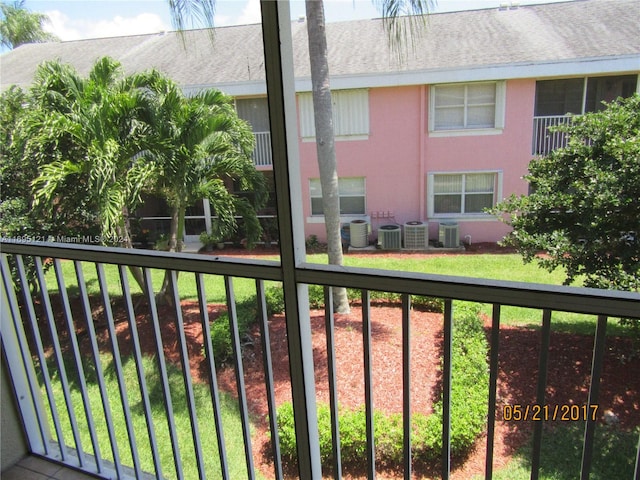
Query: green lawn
[[614, 452], [214, 285], [231, 420], [493, 266]]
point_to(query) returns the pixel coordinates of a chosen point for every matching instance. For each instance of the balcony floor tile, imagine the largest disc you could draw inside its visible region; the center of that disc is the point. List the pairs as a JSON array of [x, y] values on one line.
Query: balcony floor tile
[[34, 468]]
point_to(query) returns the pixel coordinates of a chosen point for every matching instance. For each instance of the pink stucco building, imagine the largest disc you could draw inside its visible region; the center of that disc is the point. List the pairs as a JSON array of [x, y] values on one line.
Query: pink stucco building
[[427, 138]]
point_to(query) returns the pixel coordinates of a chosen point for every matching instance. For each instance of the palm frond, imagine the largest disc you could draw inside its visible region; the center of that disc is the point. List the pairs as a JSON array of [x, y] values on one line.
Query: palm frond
[[192, 12], [404, 21], [112, 203], [253, 228], [51, 178]]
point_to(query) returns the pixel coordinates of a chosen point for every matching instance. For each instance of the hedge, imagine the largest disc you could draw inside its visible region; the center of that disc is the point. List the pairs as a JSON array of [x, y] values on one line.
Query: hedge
[[275, 299], [469, 394]]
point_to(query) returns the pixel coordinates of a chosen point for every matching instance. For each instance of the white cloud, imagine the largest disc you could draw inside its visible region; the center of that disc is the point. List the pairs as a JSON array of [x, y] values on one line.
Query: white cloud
[[222, 20], [66, 28], [60, 26]]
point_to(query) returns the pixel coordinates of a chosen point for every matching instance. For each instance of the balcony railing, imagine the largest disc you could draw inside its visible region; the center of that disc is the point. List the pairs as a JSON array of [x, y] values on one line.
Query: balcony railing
[[78, 362], [262, 151], [545, 141]]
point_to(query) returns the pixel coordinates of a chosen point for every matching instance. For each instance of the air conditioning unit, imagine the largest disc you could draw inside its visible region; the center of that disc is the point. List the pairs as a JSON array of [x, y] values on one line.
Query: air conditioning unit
[[448, 235], [359, 233], [390, 237], [416, 235]]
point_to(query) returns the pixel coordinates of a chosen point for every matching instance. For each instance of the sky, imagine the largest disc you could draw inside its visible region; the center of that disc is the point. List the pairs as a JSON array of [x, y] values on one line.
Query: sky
[[79, 19]]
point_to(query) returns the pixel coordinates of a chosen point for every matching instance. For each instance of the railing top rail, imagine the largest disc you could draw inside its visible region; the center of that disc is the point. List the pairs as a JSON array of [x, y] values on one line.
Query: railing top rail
[[532, 295], [521, 294], [186, 262], [543, 117]]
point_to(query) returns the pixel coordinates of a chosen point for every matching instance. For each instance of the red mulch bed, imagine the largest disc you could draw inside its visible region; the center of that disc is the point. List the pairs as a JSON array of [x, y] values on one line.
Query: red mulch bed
[[568, 377]]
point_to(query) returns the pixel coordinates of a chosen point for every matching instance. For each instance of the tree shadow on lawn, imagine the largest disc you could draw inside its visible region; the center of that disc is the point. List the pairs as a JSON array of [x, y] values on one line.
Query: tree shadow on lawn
[[568, 381], [614, 452]]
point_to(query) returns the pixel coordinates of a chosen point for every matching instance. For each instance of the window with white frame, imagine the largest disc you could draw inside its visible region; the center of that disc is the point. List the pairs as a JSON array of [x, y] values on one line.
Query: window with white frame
[[350, 113], [467, 106], [352, 196], [459, 194]]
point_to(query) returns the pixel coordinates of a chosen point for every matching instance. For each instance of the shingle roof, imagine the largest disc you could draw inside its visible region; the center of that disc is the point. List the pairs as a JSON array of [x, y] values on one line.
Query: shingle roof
[[574, 31]]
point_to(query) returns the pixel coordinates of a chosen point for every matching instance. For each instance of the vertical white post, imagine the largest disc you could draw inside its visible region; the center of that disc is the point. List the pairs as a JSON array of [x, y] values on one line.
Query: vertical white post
[[20, 368], [207, 214], [278, 52]]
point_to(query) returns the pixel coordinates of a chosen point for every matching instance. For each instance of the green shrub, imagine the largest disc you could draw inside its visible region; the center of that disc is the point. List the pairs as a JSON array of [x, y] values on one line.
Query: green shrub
[[274, 296], [222, 345], [469, 393], [287, 429], [275, 299], [221, 338], [389, 438]]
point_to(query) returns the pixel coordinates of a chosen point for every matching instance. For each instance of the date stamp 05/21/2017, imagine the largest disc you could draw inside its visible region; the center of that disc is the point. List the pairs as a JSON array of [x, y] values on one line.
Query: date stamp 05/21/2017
[[543, 413]]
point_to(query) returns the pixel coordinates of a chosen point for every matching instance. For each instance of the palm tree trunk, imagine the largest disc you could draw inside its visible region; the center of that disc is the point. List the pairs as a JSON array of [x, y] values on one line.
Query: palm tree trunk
[[165, 295], [173, 229], [182, 212], [124, 237], [325, 141]]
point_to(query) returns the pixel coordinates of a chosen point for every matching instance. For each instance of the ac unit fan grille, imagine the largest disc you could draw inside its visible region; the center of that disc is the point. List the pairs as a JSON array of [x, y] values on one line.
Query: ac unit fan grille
[[448, 235], [390, 237], [416, 235]]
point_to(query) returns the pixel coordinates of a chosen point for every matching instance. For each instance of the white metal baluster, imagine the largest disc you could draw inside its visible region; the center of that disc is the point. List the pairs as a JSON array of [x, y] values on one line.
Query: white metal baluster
[[547, 136], [263, 140], [55, 417], [78, 360], [162, 366], [104, 396], [213, 381], [16, 347], [186, 374], [62, 371], [556, 136], [117, 360], [267, 150], [535, 142], [144, 391]]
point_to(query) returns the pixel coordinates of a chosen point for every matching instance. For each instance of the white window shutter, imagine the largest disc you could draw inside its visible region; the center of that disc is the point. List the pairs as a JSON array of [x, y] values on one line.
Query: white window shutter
[[350, 113], [307, 124]]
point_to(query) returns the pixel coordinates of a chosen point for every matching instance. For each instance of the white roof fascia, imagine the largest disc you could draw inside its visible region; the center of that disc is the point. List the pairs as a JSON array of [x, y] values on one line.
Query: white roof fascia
[[581, 67], [629, 64], [235, 89]]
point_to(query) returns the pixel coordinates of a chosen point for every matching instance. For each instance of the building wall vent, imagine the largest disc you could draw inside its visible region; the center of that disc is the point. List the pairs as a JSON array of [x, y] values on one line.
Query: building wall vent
[[359, 233], [390, 237], [416, 235], [449, 235]]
